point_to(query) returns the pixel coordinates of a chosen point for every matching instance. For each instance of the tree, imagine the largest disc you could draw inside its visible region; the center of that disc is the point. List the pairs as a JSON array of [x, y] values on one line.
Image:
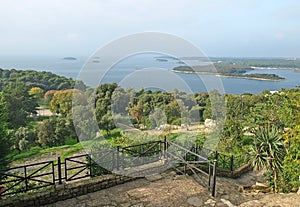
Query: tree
[[52, 132], [158, 118], [291, 164], [62, 101], [19, 104], [289, 180], [4, 140], [215, 106], [83, 119], [48, 96], [46, 133], [103, 106], [268, 110], [120, 101], [30, 78], [107, 123], [137, 112], [267, 152], [36, 92], [23, 139], [173, 113]]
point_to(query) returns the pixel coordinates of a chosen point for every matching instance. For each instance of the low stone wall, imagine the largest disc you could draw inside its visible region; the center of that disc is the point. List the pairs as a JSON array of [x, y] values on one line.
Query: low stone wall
[[228, 173], [65, 191], [236, 173]]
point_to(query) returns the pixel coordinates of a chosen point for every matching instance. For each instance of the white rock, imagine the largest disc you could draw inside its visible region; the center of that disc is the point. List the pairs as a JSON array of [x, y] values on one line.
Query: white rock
[[227, 202]]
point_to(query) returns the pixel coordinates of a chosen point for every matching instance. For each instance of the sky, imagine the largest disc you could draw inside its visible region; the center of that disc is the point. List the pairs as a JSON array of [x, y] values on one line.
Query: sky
[[227, 28]]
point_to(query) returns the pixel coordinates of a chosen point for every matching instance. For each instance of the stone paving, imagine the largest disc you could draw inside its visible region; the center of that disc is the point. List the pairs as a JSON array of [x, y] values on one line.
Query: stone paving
[[178, 191]]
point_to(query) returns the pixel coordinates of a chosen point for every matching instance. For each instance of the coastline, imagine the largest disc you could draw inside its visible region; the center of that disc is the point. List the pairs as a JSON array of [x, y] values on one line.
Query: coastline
[[193, 72], [274, 68], [249, 78], [297, 70]]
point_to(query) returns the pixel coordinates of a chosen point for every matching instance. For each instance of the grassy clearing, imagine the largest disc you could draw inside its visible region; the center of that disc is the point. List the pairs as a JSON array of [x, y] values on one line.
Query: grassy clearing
[[34, 152]]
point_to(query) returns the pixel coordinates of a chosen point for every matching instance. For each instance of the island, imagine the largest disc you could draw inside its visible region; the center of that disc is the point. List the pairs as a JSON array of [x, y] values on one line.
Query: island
[[161, 60], [228, 70], [69, 58]]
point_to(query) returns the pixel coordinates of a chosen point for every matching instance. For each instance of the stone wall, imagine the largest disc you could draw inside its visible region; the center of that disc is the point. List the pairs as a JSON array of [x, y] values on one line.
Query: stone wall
[[228, 173], [236, 173], [65, 191]]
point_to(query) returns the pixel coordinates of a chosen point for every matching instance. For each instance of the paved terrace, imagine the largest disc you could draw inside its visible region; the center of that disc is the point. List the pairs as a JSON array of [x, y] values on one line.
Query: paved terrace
[[170, 189]]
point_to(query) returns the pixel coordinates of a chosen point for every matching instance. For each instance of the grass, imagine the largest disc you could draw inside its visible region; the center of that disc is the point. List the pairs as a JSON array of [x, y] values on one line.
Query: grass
[[64, 150], [14, 156], [43, 105]]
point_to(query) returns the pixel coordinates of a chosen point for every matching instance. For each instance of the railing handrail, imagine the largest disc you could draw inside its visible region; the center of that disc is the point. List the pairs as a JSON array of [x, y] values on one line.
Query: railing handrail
[[188, 151], [138, 145], [28, 165]]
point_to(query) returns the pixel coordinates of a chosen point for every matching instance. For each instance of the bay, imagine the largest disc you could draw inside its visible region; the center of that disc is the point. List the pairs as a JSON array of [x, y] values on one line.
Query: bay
[[122, 69]]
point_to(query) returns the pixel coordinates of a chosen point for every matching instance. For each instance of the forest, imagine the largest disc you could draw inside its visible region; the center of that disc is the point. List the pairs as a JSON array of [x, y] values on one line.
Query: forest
[[266, 125], [30, 78]]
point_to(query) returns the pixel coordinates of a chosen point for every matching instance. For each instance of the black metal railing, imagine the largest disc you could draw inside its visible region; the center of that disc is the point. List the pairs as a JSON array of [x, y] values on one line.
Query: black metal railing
[[140, 154], [191, 162], [33, 176], [225, 162], [27, 177]]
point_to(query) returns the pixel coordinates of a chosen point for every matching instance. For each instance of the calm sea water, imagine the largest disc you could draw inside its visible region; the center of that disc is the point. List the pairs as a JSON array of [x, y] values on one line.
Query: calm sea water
[[71, 68]]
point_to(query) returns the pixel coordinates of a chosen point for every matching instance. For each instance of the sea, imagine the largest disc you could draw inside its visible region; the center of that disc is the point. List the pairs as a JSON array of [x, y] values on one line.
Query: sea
[[72, 68]]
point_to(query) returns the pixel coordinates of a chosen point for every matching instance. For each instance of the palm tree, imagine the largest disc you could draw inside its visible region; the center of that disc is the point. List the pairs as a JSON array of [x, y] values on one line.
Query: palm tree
[[267, 151]]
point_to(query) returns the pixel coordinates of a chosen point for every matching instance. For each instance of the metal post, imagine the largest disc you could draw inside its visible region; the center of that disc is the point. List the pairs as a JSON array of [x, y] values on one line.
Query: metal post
[[165, 147], [209, 175], [216, 155], [213, 193], [26, 181], [118, 158], [185, 165], [90, 164], [114, 160], [66, 169], [53, 172], [215, 174], [59, 170], [231, 163]]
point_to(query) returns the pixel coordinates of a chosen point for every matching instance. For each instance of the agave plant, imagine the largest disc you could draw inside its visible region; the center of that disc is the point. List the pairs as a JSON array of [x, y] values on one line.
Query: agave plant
[[267, 151]]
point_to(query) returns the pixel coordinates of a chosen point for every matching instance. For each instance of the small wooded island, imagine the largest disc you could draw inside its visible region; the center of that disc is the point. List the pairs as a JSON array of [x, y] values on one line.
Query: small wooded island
[[69, 58]]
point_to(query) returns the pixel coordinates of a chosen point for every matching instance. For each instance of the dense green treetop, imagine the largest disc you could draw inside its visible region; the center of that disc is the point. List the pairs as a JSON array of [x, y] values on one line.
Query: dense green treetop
[[44, 80]]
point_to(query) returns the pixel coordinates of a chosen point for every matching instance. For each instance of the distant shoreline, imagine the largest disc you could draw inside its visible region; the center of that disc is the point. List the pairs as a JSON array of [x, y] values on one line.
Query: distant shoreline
[[193, 72], [249, 78], [273, 68]]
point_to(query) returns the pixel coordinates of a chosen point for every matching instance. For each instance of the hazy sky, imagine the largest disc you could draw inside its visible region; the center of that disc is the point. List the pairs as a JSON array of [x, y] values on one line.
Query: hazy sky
[[219, 27]]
